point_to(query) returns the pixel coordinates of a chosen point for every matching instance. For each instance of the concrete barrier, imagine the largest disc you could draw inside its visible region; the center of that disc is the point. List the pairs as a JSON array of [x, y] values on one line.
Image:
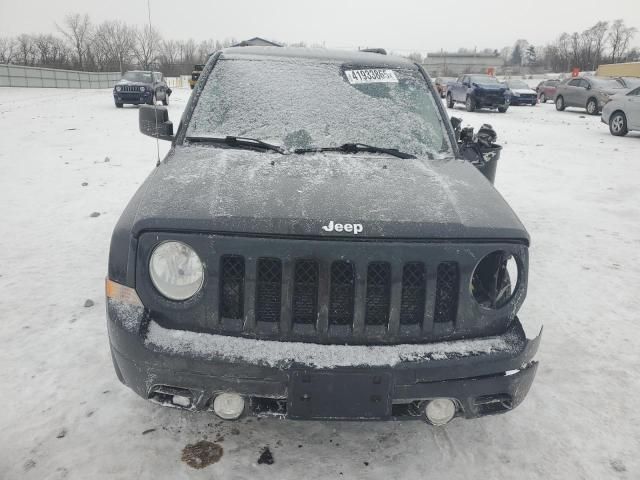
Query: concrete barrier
[[20, 76]]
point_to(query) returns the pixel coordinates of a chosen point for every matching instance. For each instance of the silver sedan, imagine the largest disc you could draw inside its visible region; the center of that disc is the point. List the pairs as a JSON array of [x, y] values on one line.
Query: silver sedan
[[590, 93], [622, 113]]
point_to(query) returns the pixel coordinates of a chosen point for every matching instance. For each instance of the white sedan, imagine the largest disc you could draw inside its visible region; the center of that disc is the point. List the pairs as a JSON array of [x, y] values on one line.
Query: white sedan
[[622, 113]]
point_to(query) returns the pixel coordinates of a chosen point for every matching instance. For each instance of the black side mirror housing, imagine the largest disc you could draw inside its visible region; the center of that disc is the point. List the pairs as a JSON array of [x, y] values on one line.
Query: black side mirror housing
[[154, 122]]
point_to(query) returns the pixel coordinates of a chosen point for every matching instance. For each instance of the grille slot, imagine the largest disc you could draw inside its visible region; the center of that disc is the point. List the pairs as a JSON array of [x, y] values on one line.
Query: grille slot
[[414, 284], [341, 293], [232, 286], [131, 89], [447, 292], [305, 292], [378, 293], [268, 290]]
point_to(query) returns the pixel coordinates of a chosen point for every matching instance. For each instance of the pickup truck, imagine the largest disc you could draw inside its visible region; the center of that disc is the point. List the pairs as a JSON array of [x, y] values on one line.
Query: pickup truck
[[478, 91]]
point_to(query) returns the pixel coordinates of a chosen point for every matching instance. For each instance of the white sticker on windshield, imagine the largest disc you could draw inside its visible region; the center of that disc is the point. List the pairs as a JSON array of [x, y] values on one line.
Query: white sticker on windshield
[[371, 76]]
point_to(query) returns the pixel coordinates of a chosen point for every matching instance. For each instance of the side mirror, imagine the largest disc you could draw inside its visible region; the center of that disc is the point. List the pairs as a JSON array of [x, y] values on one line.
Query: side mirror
[[154, 122]]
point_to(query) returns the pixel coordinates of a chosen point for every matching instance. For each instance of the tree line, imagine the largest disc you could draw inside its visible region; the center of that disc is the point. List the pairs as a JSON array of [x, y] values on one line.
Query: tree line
[[604, 42], [110, 46]]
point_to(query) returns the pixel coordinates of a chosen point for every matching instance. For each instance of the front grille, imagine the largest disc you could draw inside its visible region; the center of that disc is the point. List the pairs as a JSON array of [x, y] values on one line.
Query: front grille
[[231, 286], [268, 289], [305, 292], [414, 284], [130, 89], [341, 294], [378, 293], [446, 292]]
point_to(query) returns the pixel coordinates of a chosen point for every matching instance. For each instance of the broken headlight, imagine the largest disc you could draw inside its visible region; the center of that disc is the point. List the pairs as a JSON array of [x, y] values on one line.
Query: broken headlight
[[496, 279], [176, 270]]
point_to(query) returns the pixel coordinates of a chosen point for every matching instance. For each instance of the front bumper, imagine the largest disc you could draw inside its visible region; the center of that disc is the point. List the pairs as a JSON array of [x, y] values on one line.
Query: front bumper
[[492, 102], [481, 380], [133, 98], [523, 100]]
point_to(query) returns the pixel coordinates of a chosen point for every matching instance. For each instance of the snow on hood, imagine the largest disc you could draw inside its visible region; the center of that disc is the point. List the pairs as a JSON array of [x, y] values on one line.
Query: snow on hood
[[215, 189], [283, 354]]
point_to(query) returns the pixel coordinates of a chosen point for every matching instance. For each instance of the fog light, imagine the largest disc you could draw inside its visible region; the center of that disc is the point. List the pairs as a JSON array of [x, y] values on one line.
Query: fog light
[[440, 411], [228, 406], [181, 401]]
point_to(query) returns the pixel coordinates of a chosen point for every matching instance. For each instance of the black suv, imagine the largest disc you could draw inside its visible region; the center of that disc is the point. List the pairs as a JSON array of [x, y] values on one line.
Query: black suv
[[139, 87], [313, 246]]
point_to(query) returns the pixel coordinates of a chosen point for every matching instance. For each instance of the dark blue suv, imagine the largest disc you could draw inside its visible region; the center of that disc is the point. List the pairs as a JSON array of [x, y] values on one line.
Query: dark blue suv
[[138, 87]]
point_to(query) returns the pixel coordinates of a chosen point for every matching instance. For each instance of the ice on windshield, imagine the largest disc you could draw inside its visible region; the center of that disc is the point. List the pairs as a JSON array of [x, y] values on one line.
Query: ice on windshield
[[308, 104], [137, 76]]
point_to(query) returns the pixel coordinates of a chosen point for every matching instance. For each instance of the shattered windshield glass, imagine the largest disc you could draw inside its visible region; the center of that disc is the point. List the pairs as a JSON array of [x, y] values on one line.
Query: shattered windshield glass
[[300, 104]]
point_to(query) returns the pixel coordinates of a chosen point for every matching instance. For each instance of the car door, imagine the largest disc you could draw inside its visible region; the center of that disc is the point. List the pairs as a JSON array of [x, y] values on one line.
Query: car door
[[571, 93], [631, 107], [462, 88], [583, 92]]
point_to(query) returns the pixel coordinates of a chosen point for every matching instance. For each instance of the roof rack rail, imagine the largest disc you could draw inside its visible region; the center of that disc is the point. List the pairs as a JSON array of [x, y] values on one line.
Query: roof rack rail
[[381, 51]]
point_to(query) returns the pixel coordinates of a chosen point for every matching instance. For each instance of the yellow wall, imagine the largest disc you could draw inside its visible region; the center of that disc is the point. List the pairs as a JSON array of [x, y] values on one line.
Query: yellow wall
[[631, 69]]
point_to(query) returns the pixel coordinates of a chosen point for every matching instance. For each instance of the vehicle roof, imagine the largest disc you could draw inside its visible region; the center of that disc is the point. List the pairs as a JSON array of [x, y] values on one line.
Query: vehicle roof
[[317, 54]]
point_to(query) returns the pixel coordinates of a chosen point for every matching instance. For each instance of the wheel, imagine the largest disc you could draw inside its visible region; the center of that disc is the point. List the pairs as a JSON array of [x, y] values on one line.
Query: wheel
[[450, 102], [543, 98], [118, 105], [152, 100], [560, 106], [503, 109], [618, 124], [592, 106], [470, 104], [165, 100], [192, 85]]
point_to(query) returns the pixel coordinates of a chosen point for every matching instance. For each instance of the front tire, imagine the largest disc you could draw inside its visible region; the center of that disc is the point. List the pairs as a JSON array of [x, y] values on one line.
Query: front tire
[[592, 106], [165, 100], [543, 98], [118, 105], [618, 124], [470, 104], [560, 106], [450, 102], [503, 109]]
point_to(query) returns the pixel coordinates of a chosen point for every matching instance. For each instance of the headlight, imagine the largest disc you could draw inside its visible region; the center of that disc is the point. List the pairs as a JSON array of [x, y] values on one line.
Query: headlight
[[118, 88], [142, 89], [495, 279], [176, 270]]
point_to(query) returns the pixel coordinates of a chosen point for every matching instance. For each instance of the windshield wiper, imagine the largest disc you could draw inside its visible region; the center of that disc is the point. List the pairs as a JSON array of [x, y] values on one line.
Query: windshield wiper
[[238, 142], [357, 147]]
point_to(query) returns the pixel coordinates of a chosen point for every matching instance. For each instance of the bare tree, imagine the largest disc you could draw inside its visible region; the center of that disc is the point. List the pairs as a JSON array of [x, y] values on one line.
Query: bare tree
[[115, 41], [619, 38], [146, 46], [77, 30], [7, 49], [26, 53]]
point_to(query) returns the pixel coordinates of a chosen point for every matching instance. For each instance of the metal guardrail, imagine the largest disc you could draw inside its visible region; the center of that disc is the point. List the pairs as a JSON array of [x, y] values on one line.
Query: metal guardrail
[[21, 76]]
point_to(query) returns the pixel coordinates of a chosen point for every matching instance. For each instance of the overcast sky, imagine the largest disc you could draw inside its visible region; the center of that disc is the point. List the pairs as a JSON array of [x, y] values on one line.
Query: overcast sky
[[400, 25]]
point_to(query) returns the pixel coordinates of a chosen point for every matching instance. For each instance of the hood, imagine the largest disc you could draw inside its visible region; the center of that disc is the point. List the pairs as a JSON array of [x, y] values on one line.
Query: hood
[[615, 91], [128, 82], [490, 86], [226, 190]]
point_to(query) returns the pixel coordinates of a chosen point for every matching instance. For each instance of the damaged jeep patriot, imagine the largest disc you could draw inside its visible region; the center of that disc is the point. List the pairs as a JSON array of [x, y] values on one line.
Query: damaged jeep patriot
[[314, 246]]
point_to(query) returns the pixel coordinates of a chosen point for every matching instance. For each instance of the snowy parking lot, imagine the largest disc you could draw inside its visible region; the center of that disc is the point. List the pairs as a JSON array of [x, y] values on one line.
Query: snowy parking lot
[[70, 161]]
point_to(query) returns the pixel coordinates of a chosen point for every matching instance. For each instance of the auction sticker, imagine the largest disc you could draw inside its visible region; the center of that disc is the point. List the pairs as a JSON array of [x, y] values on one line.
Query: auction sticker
[[371, 76]]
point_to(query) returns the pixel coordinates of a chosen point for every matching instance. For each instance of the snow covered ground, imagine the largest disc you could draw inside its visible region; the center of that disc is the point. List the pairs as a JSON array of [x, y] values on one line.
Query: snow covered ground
[[65, 415]]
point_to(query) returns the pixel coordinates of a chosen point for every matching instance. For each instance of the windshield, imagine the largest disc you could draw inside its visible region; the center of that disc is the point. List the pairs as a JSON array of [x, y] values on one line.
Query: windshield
[[607, 82], [631, 82], [300, 104], [517, 84], [144, 77], [483, 79]]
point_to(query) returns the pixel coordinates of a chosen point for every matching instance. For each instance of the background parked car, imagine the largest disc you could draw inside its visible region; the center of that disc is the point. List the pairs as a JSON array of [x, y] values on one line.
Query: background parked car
[[139, 86], [622, 113], [478, 91], [521, 93], [631, 82], [547, 90], [590, 93]]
